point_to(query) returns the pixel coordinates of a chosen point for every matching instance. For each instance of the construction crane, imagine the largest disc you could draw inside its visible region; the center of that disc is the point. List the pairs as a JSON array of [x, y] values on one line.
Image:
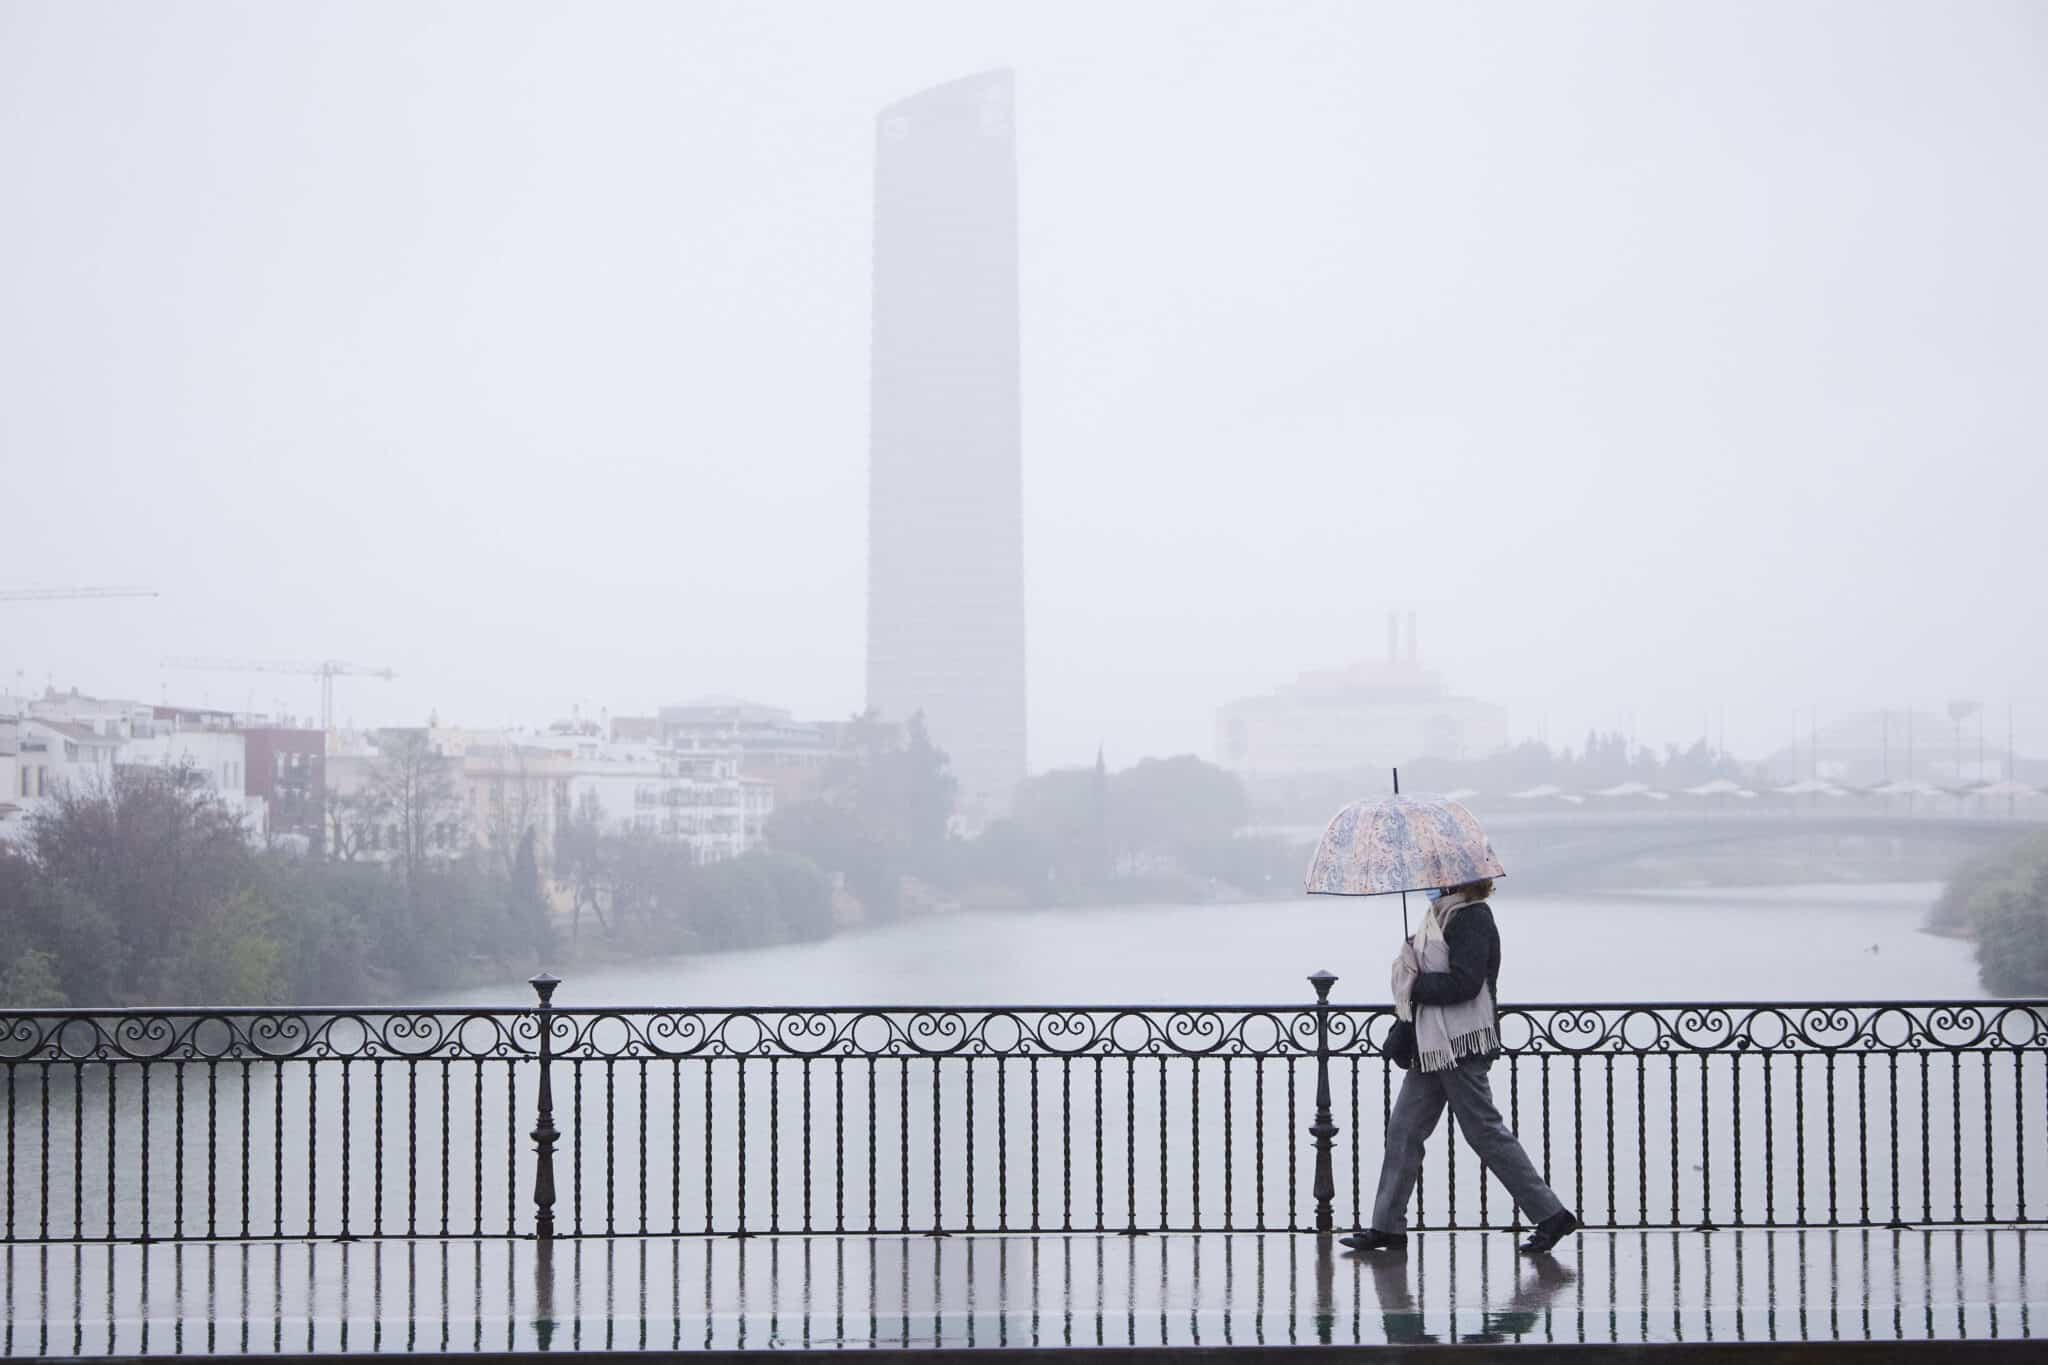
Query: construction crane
[[68, 594], [327, 670]]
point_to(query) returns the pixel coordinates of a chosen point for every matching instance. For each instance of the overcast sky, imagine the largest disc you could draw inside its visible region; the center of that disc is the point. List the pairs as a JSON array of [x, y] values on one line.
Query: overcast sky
[[1674, 361]]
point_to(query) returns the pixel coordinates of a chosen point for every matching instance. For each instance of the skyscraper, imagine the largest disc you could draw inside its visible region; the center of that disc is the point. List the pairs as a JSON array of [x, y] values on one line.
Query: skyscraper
[[945, 498]]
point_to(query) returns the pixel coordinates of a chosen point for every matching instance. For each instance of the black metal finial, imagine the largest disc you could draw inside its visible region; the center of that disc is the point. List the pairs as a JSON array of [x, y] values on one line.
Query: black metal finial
[[544, 986]]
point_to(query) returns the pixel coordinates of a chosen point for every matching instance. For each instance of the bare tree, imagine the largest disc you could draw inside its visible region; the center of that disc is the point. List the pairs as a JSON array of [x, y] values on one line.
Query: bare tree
[[514, 808], [582, 858], [416, 786], [352, 821]]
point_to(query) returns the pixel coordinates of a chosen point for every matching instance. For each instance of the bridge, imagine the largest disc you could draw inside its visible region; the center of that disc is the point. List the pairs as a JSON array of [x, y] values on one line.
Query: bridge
[[1566, 846], [930, 1179]]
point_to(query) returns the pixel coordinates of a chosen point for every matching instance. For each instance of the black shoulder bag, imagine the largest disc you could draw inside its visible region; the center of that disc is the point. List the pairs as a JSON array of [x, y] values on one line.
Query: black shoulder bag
[[1398, 1046]]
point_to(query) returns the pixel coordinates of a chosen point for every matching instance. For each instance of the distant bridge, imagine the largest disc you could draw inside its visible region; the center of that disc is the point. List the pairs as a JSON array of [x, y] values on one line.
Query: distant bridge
[[1553, 846]]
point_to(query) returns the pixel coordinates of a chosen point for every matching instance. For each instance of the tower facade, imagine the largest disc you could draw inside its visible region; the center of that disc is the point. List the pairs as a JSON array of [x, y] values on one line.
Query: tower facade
[[945, 491]]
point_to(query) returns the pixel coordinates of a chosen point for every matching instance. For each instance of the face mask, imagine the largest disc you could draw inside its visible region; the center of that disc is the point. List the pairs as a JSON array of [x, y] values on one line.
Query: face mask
[[1434, 894]]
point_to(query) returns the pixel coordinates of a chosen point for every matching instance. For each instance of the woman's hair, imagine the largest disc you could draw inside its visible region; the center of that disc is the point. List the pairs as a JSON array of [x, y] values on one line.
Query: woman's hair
[[1477, 891]]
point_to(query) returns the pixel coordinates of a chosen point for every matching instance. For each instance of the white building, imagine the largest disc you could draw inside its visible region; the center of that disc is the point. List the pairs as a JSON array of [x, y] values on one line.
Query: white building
[[12, 807], [509, 782], [694, 797], [218, 759], [1372, 715]]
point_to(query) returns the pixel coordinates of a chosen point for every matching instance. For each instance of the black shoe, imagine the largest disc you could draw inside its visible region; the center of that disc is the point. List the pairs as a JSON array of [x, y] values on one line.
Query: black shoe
[[1371, 1239], [1551, 1231]]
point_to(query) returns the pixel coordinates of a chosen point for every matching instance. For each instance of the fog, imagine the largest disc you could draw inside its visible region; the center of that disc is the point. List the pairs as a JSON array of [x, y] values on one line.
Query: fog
[[1678, 365]]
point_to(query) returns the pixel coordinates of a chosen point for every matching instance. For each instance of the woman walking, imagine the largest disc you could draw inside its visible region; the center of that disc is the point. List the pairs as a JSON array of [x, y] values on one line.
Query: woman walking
[[1444, 983]]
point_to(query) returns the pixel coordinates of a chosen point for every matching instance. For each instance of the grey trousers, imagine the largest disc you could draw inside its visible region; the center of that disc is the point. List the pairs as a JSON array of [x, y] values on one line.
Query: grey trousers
[[1416, 1110]]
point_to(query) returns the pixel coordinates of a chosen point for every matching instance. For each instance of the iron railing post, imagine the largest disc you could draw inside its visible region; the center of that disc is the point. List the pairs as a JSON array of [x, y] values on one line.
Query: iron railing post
[[1324, 1129], [544, 1134]]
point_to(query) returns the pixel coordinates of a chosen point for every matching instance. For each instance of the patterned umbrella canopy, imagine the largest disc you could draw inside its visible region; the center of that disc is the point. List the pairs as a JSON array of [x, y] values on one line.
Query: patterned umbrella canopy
[[1400, 843]]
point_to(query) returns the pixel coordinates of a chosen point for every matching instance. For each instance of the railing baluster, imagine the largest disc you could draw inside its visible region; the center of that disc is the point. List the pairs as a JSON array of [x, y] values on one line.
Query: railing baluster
[[1990, 1162], [1706, 1149], [1642, 1142], [2019, 1136], [903, 1140], [611, 1140], [78, 1156], [1228, 1213], [1130, 1143], [938, 1160], [640, 1112], [675, 1146], [874, 1148], [1863, 1139], [412, 1145], [838, 1143], [967, 1072], [1195, 1142], [1165, 1204], [1035, 1223], [1799, 1131], [1259, 1138], [113, 1103], [144, 1233], [805, 1065], [1099, 1225], [1607, 1112], [1002, 1147], [1834, 1212], [376, 1147], [1955, 1100], [711, 1144], [476, 1133]]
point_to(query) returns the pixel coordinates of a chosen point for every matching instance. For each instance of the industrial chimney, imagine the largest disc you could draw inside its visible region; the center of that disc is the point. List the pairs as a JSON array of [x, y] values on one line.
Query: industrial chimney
[[1412, 658], [1393, 637]]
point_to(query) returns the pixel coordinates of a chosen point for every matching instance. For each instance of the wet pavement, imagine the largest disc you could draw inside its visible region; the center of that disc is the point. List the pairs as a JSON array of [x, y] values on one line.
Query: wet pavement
[[697, 1294]]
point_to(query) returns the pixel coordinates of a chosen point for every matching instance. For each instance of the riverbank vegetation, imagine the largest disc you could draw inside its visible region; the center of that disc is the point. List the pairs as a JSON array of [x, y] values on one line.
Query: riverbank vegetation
[[2000, 899], [147, 891], [1162, 829]]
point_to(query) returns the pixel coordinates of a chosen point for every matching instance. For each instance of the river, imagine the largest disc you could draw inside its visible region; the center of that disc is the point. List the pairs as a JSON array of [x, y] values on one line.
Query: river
[[1829, 942]]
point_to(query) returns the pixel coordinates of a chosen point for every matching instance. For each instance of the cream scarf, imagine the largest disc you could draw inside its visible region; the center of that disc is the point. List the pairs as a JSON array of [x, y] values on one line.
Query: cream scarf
[[1444, 1034]]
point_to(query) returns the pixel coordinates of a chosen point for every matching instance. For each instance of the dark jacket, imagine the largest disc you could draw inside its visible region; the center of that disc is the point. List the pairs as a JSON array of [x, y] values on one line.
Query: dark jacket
[[1474, 946]]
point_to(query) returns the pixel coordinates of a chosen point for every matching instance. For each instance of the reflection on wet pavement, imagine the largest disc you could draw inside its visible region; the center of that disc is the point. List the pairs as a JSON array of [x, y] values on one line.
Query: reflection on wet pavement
[[1213, 1289]]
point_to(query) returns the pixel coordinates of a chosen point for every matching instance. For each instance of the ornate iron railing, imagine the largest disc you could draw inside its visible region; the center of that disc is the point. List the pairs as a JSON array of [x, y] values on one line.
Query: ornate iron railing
[[238, 1123]]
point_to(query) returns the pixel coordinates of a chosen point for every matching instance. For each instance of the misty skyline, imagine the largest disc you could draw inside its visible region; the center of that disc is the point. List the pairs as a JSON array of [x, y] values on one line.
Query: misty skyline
[[1677, 365]]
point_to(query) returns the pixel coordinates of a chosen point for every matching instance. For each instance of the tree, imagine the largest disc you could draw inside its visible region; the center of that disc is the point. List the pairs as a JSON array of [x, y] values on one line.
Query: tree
[[416, 785], [515, 805], [153, 851], [883, 808], [582, 859], [2008, 911], [1165, 805], [29, 982], [74, 937], [352, 821], [529, 900], [229, 958]]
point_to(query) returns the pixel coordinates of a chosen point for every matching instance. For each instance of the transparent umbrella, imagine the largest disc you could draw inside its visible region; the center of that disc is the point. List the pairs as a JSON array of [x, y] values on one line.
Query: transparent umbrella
[[1398, 844]]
